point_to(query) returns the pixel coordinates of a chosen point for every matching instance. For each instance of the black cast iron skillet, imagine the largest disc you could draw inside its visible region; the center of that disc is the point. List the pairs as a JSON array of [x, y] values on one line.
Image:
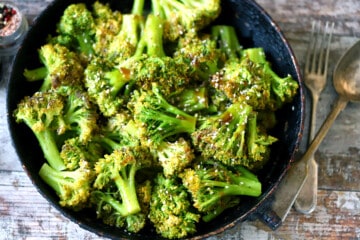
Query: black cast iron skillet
[[255, 29]]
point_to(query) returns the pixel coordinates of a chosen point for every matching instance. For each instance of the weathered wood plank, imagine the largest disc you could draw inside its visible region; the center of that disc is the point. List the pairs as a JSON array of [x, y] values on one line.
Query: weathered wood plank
[[24, 212]]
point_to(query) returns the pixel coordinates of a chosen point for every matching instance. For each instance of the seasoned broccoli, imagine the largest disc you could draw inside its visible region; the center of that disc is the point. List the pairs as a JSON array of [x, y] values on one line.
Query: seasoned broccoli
[[73, 187], [104, 82], [162, 120], [251, 79], [118, 170], [228, 137], [152, 117], [79, 114], [215, 187], [60, 67], [123, 45], [42, 113], [107, 25], [107, 209], [170, 209], [74, 151], [201, 55], [78, 22], [174, 156], [56, 115], [185, 15]]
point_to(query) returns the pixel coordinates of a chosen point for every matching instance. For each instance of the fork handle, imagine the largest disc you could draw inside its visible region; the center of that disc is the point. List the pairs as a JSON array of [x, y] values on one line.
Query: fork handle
[[307, 199]]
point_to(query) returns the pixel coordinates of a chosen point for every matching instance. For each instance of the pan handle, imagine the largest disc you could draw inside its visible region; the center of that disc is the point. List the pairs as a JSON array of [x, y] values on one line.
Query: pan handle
[[269, 218]]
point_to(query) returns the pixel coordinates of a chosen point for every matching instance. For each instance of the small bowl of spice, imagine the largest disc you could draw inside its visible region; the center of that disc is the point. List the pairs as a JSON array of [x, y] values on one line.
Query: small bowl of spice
[[13, 26]]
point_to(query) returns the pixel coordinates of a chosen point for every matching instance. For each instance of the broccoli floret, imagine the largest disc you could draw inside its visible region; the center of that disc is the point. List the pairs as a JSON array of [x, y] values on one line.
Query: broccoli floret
[[78, 22], [201, 54], [124, 43], [118, 170], [79, 114], [215, 187], [61, 67], [107, 25], [104, 83], [42, 113], [250, 79], [74, 151], [185, 15], [229, 137], [72, 187], [174, 156], [54, 116], [162, 120], [170, 209]]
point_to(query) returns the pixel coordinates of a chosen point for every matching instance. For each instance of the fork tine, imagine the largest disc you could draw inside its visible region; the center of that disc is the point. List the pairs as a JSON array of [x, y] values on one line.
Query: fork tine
[[310, 48], [330, 32], [317, 55], [315, 49]]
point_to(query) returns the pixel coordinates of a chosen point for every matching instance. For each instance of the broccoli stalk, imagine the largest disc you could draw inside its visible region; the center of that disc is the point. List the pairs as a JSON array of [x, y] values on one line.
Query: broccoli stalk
[[225, 36], [162, 119], [72, 187], [212, 183]]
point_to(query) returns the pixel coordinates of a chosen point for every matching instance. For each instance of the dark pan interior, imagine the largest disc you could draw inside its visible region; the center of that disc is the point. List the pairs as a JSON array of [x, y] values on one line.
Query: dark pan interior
[[255, 28]]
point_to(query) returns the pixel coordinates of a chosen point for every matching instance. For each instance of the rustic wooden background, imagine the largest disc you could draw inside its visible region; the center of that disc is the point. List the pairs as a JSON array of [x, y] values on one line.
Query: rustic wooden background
[[25, 214]]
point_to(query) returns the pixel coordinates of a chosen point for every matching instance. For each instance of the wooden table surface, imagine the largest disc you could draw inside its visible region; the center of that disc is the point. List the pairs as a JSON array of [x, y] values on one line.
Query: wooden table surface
[[25, 214]]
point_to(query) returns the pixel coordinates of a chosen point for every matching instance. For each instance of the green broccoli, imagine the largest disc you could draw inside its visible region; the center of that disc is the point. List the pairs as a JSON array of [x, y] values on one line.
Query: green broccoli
[[215, 187], [74, 151], [78, 22], [54, 116], [107, 25], [42, 113], [79, 114], [174, 156], [162, 120], [250, 79], [106, 207], [200, 53], [61, 67], [73, 187], [171, 212], [185, 15], [124, 44], [228, 137], [117, 170], [105, 82]]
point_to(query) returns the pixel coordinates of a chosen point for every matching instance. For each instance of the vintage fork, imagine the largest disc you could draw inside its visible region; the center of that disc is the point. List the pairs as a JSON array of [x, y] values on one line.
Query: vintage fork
[[315, 75]]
